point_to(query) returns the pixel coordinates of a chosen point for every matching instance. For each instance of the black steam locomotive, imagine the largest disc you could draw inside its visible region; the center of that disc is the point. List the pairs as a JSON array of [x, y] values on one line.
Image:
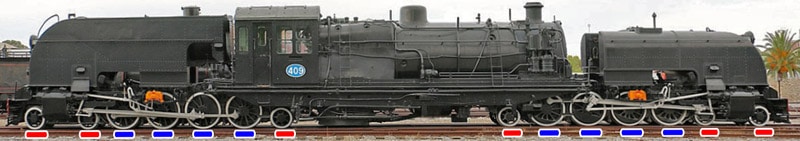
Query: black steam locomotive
[[283, 64]]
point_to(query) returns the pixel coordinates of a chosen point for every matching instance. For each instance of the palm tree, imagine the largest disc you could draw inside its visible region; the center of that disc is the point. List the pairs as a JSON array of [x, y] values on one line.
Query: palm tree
[[781, 55]]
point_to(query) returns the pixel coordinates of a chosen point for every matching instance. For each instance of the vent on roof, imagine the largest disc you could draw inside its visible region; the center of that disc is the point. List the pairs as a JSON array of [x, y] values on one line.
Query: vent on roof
[[413, 15], [191, 11]]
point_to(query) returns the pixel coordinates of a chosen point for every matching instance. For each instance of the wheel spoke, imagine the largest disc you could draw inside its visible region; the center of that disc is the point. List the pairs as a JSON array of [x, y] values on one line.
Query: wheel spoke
[[668, 117], [121, 122], [629, 117], [583, 117], [508, 116], [548, 114], [168, 106], [760, 117], [281, 118], [248, 113], [34, 119], [88, 123], [204, 104]]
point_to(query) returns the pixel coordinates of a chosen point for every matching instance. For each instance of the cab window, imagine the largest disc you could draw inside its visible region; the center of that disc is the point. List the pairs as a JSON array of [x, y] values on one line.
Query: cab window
[[286, 41], [262, 36], [242, 37], [304, 40]]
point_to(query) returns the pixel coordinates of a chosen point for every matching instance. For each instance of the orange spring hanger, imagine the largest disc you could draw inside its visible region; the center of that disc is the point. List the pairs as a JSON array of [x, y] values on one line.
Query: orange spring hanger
[[634, 95], [154, 95]]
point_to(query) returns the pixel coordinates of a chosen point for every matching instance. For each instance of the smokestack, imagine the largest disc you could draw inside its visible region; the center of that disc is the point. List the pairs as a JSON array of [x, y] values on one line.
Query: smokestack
[[533, 12], [191, 11]]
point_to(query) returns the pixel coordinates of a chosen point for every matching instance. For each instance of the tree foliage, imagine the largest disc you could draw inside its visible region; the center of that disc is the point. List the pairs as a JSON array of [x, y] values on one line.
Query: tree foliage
[[15, 43], [575, 61], [781, 54]]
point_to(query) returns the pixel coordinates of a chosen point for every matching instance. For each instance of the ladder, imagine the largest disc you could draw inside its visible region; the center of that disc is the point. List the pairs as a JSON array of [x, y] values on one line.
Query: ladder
[[497, 74], [345, 49]]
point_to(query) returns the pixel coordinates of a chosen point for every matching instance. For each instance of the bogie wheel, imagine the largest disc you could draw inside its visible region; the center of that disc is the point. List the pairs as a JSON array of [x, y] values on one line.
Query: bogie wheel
[[249, 114], [281, 118], [90, 122], [119, 122], [493, 117], [203, 103], [630, 117], [668, 117], [507, 116], [34, 118], [170, 105], [760, 116], [704, 120], [580, 115], [549, 115]]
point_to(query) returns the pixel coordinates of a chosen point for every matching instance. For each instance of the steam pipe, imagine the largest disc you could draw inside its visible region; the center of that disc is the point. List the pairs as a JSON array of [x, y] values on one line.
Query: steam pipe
[[654, 19], [38, 33], [458, 45]]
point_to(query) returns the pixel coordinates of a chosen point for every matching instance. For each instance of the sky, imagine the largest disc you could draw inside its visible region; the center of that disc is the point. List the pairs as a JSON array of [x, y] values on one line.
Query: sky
[[21, 18]]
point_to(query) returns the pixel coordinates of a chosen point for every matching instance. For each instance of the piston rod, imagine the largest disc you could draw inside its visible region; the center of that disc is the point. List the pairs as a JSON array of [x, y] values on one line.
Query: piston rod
[[141, 113]]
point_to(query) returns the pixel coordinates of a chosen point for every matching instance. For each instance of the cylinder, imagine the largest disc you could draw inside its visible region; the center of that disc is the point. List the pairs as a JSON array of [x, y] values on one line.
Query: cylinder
[[413, 15], [191, 10], [533, 12]]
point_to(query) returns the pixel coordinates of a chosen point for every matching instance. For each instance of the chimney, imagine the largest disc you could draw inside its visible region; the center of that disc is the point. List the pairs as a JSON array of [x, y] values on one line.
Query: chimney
[[533, 12]]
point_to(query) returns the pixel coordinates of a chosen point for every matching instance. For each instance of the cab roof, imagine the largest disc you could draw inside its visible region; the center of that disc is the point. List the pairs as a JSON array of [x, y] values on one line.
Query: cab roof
[[277, 13]]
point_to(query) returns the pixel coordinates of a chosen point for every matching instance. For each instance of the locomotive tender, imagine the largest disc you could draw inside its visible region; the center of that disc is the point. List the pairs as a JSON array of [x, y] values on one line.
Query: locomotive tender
[[283, 64]]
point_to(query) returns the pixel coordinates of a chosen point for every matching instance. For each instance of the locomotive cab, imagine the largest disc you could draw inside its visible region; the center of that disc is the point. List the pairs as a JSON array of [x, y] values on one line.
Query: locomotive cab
[[276, 45]]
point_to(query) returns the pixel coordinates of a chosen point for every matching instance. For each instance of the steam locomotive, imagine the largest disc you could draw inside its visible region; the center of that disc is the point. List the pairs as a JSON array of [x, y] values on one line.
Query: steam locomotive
[[284, 64]]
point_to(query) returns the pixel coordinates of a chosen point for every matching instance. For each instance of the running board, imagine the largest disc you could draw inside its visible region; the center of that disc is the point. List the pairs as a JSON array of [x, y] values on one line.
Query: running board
[[140, 113]]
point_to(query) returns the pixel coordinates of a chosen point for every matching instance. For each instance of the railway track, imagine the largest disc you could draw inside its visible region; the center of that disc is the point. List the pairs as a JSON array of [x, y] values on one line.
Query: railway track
[[794, 109], [443, 130], [449, 130]]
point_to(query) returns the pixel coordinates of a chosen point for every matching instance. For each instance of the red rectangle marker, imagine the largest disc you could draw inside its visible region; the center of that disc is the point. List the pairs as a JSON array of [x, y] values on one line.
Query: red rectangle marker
[[709, 132], [764, 132], [512, 133], [283, 133], [36, 134], [89, 134]]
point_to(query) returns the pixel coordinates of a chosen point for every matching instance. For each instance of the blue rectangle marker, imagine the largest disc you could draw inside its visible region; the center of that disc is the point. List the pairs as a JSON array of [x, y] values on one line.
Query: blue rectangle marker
[[591, 132], [631, 132], [549, 132], [124, 134], [244, 134], [163, 134], [202, 134], [672, 132]]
